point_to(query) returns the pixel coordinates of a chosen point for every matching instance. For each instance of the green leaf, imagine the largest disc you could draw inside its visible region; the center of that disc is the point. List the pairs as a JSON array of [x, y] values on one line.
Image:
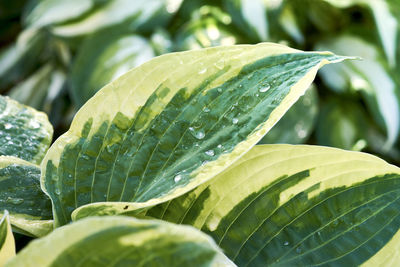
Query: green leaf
[[298, 205], [102, 58], [48, 12], [20, 194], [371, 77], [19, 59], [143, 15], [297, 124], [7, 243], [159, 131], [24, 132], [343, 124], [122, 241]]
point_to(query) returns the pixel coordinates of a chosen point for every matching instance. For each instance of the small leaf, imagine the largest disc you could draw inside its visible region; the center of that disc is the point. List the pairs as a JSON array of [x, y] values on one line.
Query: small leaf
[[24, 132], [20, 194], [298, 205], [7, 243], [122, 241], [173, 123]]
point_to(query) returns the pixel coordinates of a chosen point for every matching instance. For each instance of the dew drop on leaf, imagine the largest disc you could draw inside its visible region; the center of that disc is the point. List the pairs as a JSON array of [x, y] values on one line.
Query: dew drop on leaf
[[7, 126], [177, 178], [264, 89], [203, 71], [235, 120], [286, 243], [210, 152]]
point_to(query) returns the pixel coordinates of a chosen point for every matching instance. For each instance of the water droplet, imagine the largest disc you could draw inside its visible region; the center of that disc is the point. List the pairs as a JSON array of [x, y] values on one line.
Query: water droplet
[[206, 109], [219, 89], [235, 120], [220, 64], [210, 152], [57, 191], [257, 95], [249, 76], [264, 89], [240, 86], [10, 142], [15, 201], [7, 126], [34, 125], [177, 178], [286, 243], [219, 146], [298, 250], [200, 135], [203, 71], [8, 137]]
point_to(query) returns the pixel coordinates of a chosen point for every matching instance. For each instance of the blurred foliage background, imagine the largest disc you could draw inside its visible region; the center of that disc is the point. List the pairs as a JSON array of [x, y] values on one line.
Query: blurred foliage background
[[55, 54]]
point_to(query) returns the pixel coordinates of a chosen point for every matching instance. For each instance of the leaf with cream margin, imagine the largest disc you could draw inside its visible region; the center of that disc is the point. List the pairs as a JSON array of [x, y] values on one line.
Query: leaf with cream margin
[[370, 76], [298, 205], [173, 123], [20, 194], [24, 132], [122, 241], [386, 22], [7, 243]]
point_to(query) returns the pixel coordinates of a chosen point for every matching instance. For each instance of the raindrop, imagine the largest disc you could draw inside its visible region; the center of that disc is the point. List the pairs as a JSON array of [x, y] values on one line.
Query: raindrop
[[220, 64], [210, 152], [8, 126], [177, 178], [257, 95], [219, 146], [57, 191], [219, 89], [298, 250], [240, 86], [286, 243], [8, 137], [15, 201], [235, 120], [34, 124], [264, 89], [206, 109], [203, 71], [199, 135]]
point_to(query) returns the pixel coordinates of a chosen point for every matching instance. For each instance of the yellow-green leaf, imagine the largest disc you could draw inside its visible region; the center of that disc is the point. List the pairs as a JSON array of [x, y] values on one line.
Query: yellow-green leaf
[[173, 123], [7, 243], [20, 194], [122, 241], [24, 132], [298, 205]]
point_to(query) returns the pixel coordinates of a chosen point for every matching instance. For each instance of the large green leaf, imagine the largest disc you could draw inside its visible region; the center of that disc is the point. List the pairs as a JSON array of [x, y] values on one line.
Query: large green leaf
[[122, 241], [139, 14], [20, 194], [24, 132], [102, 58], [173, 123], [297, 205], [7, 243], [370, 76]]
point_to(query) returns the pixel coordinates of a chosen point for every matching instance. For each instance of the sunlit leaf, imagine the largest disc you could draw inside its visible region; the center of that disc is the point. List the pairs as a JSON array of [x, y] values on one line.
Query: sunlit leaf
[[7, 243]]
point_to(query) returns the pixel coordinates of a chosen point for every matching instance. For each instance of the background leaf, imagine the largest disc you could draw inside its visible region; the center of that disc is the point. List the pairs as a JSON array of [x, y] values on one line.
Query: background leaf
[[130, 242], [7, 243], [24, 132], [20, 194]]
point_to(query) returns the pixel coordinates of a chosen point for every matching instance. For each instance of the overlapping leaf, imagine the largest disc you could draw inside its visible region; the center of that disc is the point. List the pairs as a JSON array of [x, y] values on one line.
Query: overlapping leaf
[[122, 241], [298, 206], [7, 243], [173, 123], [20, 194]]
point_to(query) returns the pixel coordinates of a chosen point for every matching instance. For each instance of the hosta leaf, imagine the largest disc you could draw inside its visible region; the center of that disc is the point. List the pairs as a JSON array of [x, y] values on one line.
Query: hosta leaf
[[142, 14], [342, 124], [24, 132], [7, 243], [104, 57], [297, 205], [48, 12], [296, 125], [20, 194], [122, 241], [173, 123], [371, 77]]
